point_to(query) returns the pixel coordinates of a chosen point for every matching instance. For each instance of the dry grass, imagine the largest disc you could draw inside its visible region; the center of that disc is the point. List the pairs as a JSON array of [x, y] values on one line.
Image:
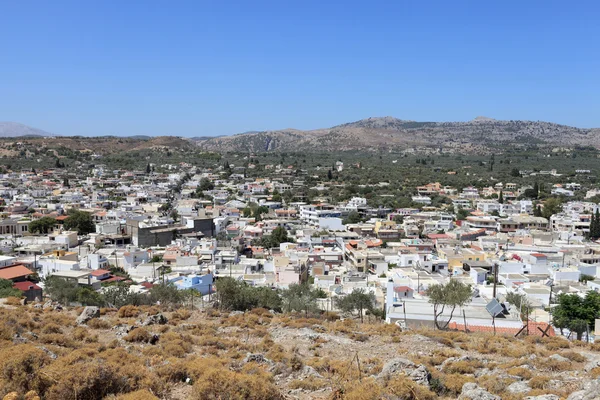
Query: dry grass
[[539, 382]]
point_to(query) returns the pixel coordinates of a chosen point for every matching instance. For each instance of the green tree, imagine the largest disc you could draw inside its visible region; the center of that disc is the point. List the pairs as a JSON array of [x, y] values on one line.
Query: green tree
[[300, 297], [462, 214], [7, 290], [552, 206], [352, 218], [359, 300], [61, 290], [520, 302], [166, 294], [577, 313], [450, 295], [515, 173], [80, 221], [148, 169], [500, 198], [42, 225], [206, 184], [175, 215]]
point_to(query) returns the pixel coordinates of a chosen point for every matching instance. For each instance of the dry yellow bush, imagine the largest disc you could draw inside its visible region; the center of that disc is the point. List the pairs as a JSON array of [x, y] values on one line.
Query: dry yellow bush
[[406, 389], [13, 301], [138, 335], [51, 328], [20, 367], [137, 395], [99, 323], [573, 356], [462, 366], [539, 382], [128, 312], [520, 371], [311, 384]]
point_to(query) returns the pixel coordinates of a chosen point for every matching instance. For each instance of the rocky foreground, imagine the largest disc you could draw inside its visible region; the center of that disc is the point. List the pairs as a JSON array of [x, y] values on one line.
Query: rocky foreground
[[50, 352]]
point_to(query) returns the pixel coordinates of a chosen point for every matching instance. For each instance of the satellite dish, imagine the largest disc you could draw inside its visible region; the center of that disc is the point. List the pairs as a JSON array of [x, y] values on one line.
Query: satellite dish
[[494, 308]]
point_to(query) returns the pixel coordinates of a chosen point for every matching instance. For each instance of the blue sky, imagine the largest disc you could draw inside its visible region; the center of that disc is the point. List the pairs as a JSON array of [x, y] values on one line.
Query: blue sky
[[195, 68]]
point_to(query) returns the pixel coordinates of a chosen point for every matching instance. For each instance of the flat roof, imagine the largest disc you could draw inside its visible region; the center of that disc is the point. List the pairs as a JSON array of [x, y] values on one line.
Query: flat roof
[[73, 273]]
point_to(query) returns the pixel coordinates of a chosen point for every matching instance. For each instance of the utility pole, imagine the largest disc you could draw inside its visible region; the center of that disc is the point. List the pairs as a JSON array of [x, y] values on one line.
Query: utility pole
[[496, 267]]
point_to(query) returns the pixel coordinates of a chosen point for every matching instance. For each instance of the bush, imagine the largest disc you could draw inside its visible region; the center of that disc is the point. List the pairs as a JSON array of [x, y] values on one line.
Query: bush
[[539, 382], [99, 323], [128, 312], [20, 367], [140, 335], [143, 394]]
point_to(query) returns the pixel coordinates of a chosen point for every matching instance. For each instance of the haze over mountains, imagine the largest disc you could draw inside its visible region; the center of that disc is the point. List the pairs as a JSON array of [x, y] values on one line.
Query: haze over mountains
[[384, 134]]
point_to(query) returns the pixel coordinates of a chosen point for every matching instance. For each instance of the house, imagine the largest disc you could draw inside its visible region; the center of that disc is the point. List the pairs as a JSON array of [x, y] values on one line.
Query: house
[[31, 291], [15, 273], [201, 283]]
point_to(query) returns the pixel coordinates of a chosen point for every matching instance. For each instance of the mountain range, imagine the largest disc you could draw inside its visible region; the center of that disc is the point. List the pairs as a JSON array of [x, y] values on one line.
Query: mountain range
[[388, 133], [481, 134]]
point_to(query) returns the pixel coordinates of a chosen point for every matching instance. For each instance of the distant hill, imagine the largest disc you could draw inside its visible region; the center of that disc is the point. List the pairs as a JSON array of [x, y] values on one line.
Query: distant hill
[[481, 134], [15, 129]]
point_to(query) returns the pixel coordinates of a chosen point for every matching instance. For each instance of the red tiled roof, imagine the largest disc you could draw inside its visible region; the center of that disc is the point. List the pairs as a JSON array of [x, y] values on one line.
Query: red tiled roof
[[25, 286], [539, 255], [100, 272], [62, 218], [16, 271], [402, 289]]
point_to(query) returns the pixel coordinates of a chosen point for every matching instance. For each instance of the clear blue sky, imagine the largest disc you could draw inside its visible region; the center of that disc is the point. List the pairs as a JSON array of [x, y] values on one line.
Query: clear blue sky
[[221, 67]]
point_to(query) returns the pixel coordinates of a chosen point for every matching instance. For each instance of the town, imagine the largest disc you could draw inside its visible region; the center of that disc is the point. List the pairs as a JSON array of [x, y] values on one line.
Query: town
[[190, 227]]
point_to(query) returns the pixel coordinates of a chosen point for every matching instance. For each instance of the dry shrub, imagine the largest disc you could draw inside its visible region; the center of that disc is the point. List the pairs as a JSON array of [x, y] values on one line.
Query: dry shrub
[[453, 383], [367, 389], [213, 380], [140, 335], [539, 382], [462, 366], [31, 395], [81, 334], [99, 323], [173, 370], [573, 356], [128, 311], [143, 394], [20, 367], [406, 389], [176, 345], [549, 364], [106, 310], [311, 384], [595, 346], [51, 328], [345, 326], [520, 371], [57, 339], [595, 372], [262, 312], [181, 315], [359, 337], [494, 384], [13, 301]]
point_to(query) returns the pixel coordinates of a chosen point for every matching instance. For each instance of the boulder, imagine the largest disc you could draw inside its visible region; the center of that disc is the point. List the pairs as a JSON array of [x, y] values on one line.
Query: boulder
[[88, 313], [471, 391], [257, 358], [558, 357], [591, 365], [543, 397], [156, 319], [591, 391], [122, 330], [518, 387], [417, 373]]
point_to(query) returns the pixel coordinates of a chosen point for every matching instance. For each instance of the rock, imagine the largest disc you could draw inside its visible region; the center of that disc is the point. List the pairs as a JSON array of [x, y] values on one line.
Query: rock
[[234, 313], [122, 330], [17, 338], [50, 354], [518, 387], [156, 319], [88, 313], [257, 358], [58, 307], [23, 301], [591, 391], [38, 306], [591, 365], [543, 397], [558, 357], [154, 338], [470, 391], [308, 371], [47, 304], [418, 373]]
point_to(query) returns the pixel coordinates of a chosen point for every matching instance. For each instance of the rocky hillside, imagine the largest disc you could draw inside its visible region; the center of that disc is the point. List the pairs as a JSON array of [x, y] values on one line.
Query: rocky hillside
[[388, 133], [148, 353]]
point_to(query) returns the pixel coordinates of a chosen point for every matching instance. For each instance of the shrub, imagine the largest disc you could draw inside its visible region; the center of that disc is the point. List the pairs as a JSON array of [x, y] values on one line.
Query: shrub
[[13, 301], [20, 367], [453, 383], [520, 371], [539, 382], [51, 328], [143, 394], [138, 335], [573, 356], [99, 323], [406, 389], [311, 384], [128, 312]]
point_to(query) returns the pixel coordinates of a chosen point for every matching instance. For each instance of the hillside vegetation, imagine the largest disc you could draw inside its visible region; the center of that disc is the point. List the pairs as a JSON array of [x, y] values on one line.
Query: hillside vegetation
[[148, 353]]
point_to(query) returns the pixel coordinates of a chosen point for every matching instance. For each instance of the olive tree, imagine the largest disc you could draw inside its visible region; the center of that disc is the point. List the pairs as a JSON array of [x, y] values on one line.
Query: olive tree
[[449, 295]]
